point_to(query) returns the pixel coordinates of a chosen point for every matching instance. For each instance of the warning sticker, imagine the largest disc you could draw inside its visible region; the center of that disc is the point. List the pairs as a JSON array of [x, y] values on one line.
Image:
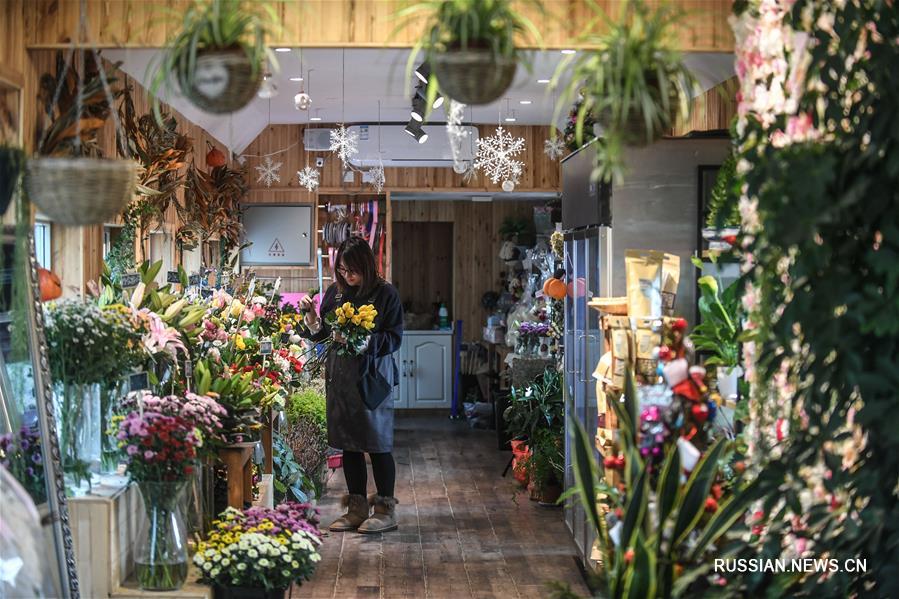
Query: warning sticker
[[276, 250]]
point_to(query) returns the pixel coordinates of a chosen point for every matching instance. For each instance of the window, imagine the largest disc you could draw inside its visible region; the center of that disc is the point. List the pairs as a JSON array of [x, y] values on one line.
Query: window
[[110, 235], [42, 244]]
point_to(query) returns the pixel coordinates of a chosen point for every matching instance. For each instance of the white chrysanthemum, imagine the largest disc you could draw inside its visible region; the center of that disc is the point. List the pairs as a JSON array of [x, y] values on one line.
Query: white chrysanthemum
[[253, 553], [241, 567], [207, 566], [264, 563], [226, 562], [214, 572]]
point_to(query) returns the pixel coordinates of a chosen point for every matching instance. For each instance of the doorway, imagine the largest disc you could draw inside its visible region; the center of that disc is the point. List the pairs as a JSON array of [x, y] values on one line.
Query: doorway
[[423, 269]]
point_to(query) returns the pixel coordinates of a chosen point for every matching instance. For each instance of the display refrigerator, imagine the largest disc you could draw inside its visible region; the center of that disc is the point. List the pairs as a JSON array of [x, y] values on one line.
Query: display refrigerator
[[655, 207], [586, 216]]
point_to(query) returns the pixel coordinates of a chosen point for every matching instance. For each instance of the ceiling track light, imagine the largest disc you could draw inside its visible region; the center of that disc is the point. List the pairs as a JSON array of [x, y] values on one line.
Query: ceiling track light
[[421, 91], [418, 109], [423, 72], [414, 129]]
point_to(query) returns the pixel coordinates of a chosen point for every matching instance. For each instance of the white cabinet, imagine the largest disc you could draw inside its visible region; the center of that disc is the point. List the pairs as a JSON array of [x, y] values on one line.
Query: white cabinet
[[425, 362]]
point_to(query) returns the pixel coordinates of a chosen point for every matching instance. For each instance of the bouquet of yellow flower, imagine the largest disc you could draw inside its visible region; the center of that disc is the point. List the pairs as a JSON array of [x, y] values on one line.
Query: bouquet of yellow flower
[[354, 325]]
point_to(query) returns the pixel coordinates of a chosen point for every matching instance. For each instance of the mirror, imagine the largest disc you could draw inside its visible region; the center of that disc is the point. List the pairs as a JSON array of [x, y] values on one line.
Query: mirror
[[34, 521]]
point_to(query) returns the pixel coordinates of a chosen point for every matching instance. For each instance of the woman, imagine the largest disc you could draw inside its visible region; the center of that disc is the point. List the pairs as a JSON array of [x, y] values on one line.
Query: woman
[[360, 388]]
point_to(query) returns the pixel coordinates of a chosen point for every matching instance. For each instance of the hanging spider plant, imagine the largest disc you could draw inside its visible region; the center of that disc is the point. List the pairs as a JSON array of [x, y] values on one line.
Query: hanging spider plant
[[218, 57], [470, 45], [634, 82]]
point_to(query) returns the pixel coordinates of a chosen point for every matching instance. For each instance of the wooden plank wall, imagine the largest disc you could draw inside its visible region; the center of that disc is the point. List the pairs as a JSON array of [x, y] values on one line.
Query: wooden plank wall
[[77, 252], [476, 245], [713, 110], [354, 23], [423, 264], [541, 174]]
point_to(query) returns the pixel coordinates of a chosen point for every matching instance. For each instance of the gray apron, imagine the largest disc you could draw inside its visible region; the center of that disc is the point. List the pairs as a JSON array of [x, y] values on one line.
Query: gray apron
[[351, 425]]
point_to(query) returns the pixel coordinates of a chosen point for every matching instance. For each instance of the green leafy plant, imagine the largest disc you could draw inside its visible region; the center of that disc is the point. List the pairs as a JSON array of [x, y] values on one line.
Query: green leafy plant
[[659, 551], [719, 331], [635, 82], [825, 283], [537, 414], [723, 208], [236, 393], [307, 433], [462, 25], [207, 25], [291, 482]]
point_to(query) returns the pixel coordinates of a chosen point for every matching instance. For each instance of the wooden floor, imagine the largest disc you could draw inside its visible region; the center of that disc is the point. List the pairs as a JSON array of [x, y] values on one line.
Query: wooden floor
[[463, 531]]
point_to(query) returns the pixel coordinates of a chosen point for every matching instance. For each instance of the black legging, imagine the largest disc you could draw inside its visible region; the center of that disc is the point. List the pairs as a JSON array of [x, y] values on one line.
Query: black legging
[[382, 466]]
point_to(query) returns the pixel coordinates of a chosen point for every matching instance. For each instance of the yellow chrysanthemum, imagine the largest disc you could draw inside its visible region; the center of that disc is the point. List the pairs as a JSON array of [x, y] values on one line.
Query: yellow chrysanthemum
[[239, 342], [341, 319]]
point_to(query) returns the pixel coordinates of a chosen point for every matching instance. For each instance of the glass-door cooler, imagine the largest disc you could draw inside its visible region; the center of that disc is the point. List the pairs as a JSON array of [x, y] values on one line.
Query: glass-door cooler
[[589, 275]]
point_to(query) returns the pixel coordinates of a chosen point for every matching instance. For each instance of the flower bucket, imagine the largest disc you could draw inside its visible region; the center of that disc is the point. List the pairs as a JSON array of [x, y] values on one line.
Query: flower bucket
[[335, 461], [520, 455], [220, 592], [160, 554], [474, 76]]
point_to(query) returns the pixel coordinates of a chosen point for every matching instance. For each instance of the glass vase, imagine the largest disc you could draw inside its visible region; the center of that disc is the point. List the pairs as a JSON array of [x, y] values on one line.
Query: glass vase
[[110, 456], [160, 556], [199, 505], [78, 423]]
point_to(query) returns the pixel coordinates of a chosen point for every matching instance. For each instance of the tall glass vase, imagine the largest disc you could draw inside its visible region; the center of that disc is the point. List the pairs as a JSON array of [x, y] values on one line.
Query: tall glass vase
[[110, 394], [78, 423], [198, 504], [160, 556]]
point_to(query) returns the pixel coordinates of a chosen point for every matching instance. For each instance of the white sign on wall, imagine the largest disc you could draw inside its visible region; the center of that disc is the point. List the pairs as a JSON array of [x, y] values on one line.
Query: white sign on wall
[[280, 235]]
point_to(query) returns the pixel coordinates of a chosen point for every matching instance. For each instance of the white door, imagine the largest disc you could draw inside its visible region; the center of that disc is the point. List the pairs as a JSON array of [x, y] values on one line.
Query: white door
[[429, 383]]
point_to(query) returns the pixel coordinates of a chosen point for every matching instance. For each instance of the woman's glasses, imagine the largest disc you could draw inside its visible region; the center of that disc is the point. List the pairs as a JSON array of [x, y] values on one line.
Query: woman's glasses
[[345, 271]]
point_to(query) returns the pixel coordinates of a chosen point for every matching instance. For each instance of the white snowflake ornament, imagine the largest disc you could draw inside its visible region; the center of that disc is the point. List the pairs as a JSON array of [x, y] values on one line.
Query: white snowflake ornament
[[376, 173], [554, 147], [344, 143], [308, 178], [269, 172], [496, 156]]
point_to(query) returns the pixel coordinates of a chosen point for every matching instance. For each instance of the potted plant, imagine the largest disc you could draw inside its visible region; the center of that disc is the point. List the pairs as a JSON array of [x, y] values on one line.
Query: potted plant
[[719, 332], [219, 55], [259, 553], [162, 151], [69, 181], [307, 432], [470, 45], [12, 163], [537, 416], [635, 82]]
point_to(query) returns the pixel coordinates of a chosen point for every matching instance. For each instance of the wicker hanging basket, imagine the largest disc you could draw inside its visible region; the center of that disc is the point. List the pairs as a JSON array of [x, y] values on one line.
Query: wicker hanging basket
[[223, 81], [633, 129], [474, 76], [80, 191]]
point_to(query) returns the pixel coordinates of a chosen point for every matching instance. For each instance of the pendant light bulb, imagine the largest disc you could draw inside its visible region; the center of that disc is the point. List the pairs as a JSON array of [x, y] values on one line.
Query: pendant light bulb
[[268, 89], [302, 101]]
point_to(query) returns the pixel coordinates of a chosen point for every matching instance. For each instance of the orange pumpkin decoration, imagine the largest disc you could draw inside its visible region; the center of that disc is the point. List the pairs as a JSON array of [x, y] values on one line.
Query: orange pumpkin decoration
[[215, 157], [50, 285], [554, 288]]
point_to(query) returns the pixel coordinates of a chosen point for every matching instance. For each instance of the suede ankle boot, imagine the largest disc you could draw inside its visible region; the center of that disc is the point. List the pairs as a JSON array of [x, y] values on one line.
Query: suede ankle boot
[[383, 518], [357, 510]]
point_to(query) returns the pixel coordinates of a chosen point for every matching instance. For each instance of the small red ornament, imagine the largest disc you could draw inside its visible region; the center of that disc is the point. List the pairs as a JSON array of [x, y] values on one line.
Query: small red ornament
[[629, 556], [731, 239], [609, 462], [711, 505], [687, 389], [716, 491], [679, 324], [700, 412], [665, 353], [739, 467], [619, 462], [215, 157]]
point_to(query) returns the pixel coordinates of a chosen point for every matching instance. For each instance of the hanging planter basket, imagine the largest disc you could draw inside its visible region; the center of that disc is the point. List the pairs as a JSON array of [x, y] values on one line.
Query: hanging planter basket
[[12, 162], [223, 81], [474, 76], [633, 129], [80, 191]]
